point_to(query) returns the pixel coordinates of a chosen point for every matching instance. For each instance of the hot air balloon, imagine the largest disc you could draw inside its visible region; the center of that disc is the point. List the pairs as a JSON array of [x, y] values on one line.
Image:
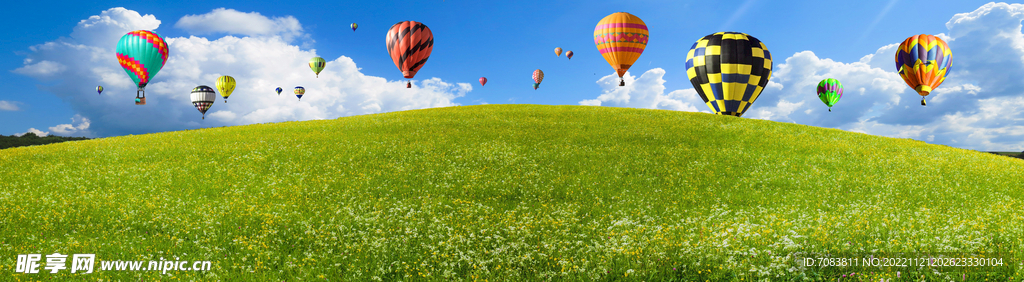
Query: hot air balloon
[[568, 55], [299, 91], [409, 44], [923, 61], [354, 26], [621, 38], [279, 91], [317, 64], [99, 90], [558, 51], [483, 80], [142, 54], [538, 76], [203, 97], [729, 70], [829, 91], [226, 85]]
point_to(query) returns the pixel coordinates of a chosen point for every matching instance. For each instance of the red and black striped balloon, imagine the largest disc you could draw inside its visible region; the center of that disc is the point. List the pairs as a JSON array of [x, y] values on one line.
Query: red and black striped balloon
[[409, 44]]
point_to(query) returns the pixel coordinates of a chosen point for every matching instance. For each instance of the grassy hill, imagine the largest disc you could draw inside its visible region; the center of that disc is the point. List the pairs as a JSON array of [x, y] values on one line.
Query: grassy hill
[[508, 193]]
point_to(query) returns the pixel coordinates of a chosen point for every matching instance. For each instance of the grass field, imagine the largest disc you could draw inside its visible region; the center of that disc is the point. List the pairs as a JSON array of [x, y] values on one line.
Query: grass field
[[509, 193]]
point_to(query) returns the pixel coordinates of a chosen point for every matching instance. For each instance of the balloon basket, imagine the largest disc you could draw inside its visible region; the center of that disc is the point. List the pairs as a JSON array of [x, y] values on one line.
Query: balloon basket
[[923, 103], [622, 83], [408, 85], [141, 101]]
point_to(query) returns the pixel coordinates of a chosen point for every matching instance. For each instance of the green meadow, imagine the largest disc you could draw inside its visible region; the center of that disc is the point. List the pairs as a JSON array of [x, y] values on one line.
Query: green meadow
[[510, 193]]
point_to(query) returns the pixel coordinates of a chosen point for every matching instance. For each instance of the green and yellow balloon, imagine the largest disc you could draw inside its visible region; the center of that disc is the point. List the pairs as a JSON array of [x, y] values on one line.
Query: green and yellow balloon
[[829, 91], [317, 64], [226, 85]]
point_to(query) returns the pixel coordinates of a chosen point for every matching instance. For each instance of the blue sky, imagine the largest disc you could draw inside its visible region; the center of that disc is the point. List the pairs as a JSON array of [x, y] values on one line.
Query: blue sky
[[56, 61]]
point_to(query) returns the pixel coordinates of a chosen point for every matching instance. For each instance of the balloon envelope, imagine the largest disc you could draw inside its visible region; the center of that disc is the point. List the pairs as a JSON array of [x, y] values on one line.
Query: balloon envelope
[[409, 43], [558, 51], [317, 64], [142, 54], [202, 98], [483, 80], [279, 90], [354, 26], [299, 91], [226, 85], [729, 70], [621, 38], [829, 91], [99, 90], [923, 61], [538, 76], [568, 55]]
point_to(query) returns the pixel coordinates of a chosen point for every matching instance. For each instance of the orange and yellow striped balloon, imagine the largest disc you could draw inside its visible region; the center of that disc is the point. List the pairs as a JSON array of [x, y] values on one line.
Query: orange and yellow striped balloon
[[621, 38], [923, 61]]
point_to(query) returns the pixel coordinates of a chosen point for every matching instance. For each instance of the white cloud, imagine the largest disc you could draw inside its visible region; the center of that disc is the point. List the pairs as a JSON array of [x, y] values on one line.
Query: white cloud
[[38, 132], [81, 129], [8, 106], [648, 92], [258, 63], [225, 116], [108, 27], [42, 69], [230, 21]]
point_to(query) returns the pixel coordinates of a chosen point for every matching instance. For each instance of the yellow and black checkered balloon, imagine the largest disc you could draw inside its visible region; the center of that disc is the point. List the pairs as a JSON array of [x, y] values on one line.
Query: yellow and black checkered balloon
[[729, 70]]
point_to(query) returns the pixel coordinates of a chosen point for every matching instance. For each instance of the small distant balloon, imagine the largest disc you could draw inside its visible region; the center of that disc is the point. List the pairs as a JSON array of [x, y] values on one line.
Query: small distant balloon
[[829, 91], [483, 80], [568, 55], [202, 98], [538, 76], [354, 26], [558, 51], [299, 91], [279, 90], [99, 90]]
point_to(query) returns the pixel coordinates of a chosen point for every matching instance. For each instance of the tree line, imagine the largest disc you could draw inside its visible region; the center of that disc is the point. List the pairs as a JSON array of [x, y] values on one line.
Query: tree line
[[30, 139]]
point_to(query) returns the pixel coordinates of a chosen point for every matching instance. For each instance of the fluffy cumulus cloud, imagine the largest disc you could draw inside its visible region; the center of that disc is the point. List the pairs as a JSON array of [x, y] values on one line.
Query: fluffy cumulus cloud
[[79, 126], [977, 107], [260, 61], [230, 21], [647, 91]]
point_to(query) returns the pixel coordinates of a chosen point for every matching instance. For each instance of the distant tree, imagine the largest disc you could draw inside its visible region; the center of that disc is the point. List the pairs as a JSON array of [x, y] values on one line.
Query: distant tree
[[1021, 155], [29, 139]]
